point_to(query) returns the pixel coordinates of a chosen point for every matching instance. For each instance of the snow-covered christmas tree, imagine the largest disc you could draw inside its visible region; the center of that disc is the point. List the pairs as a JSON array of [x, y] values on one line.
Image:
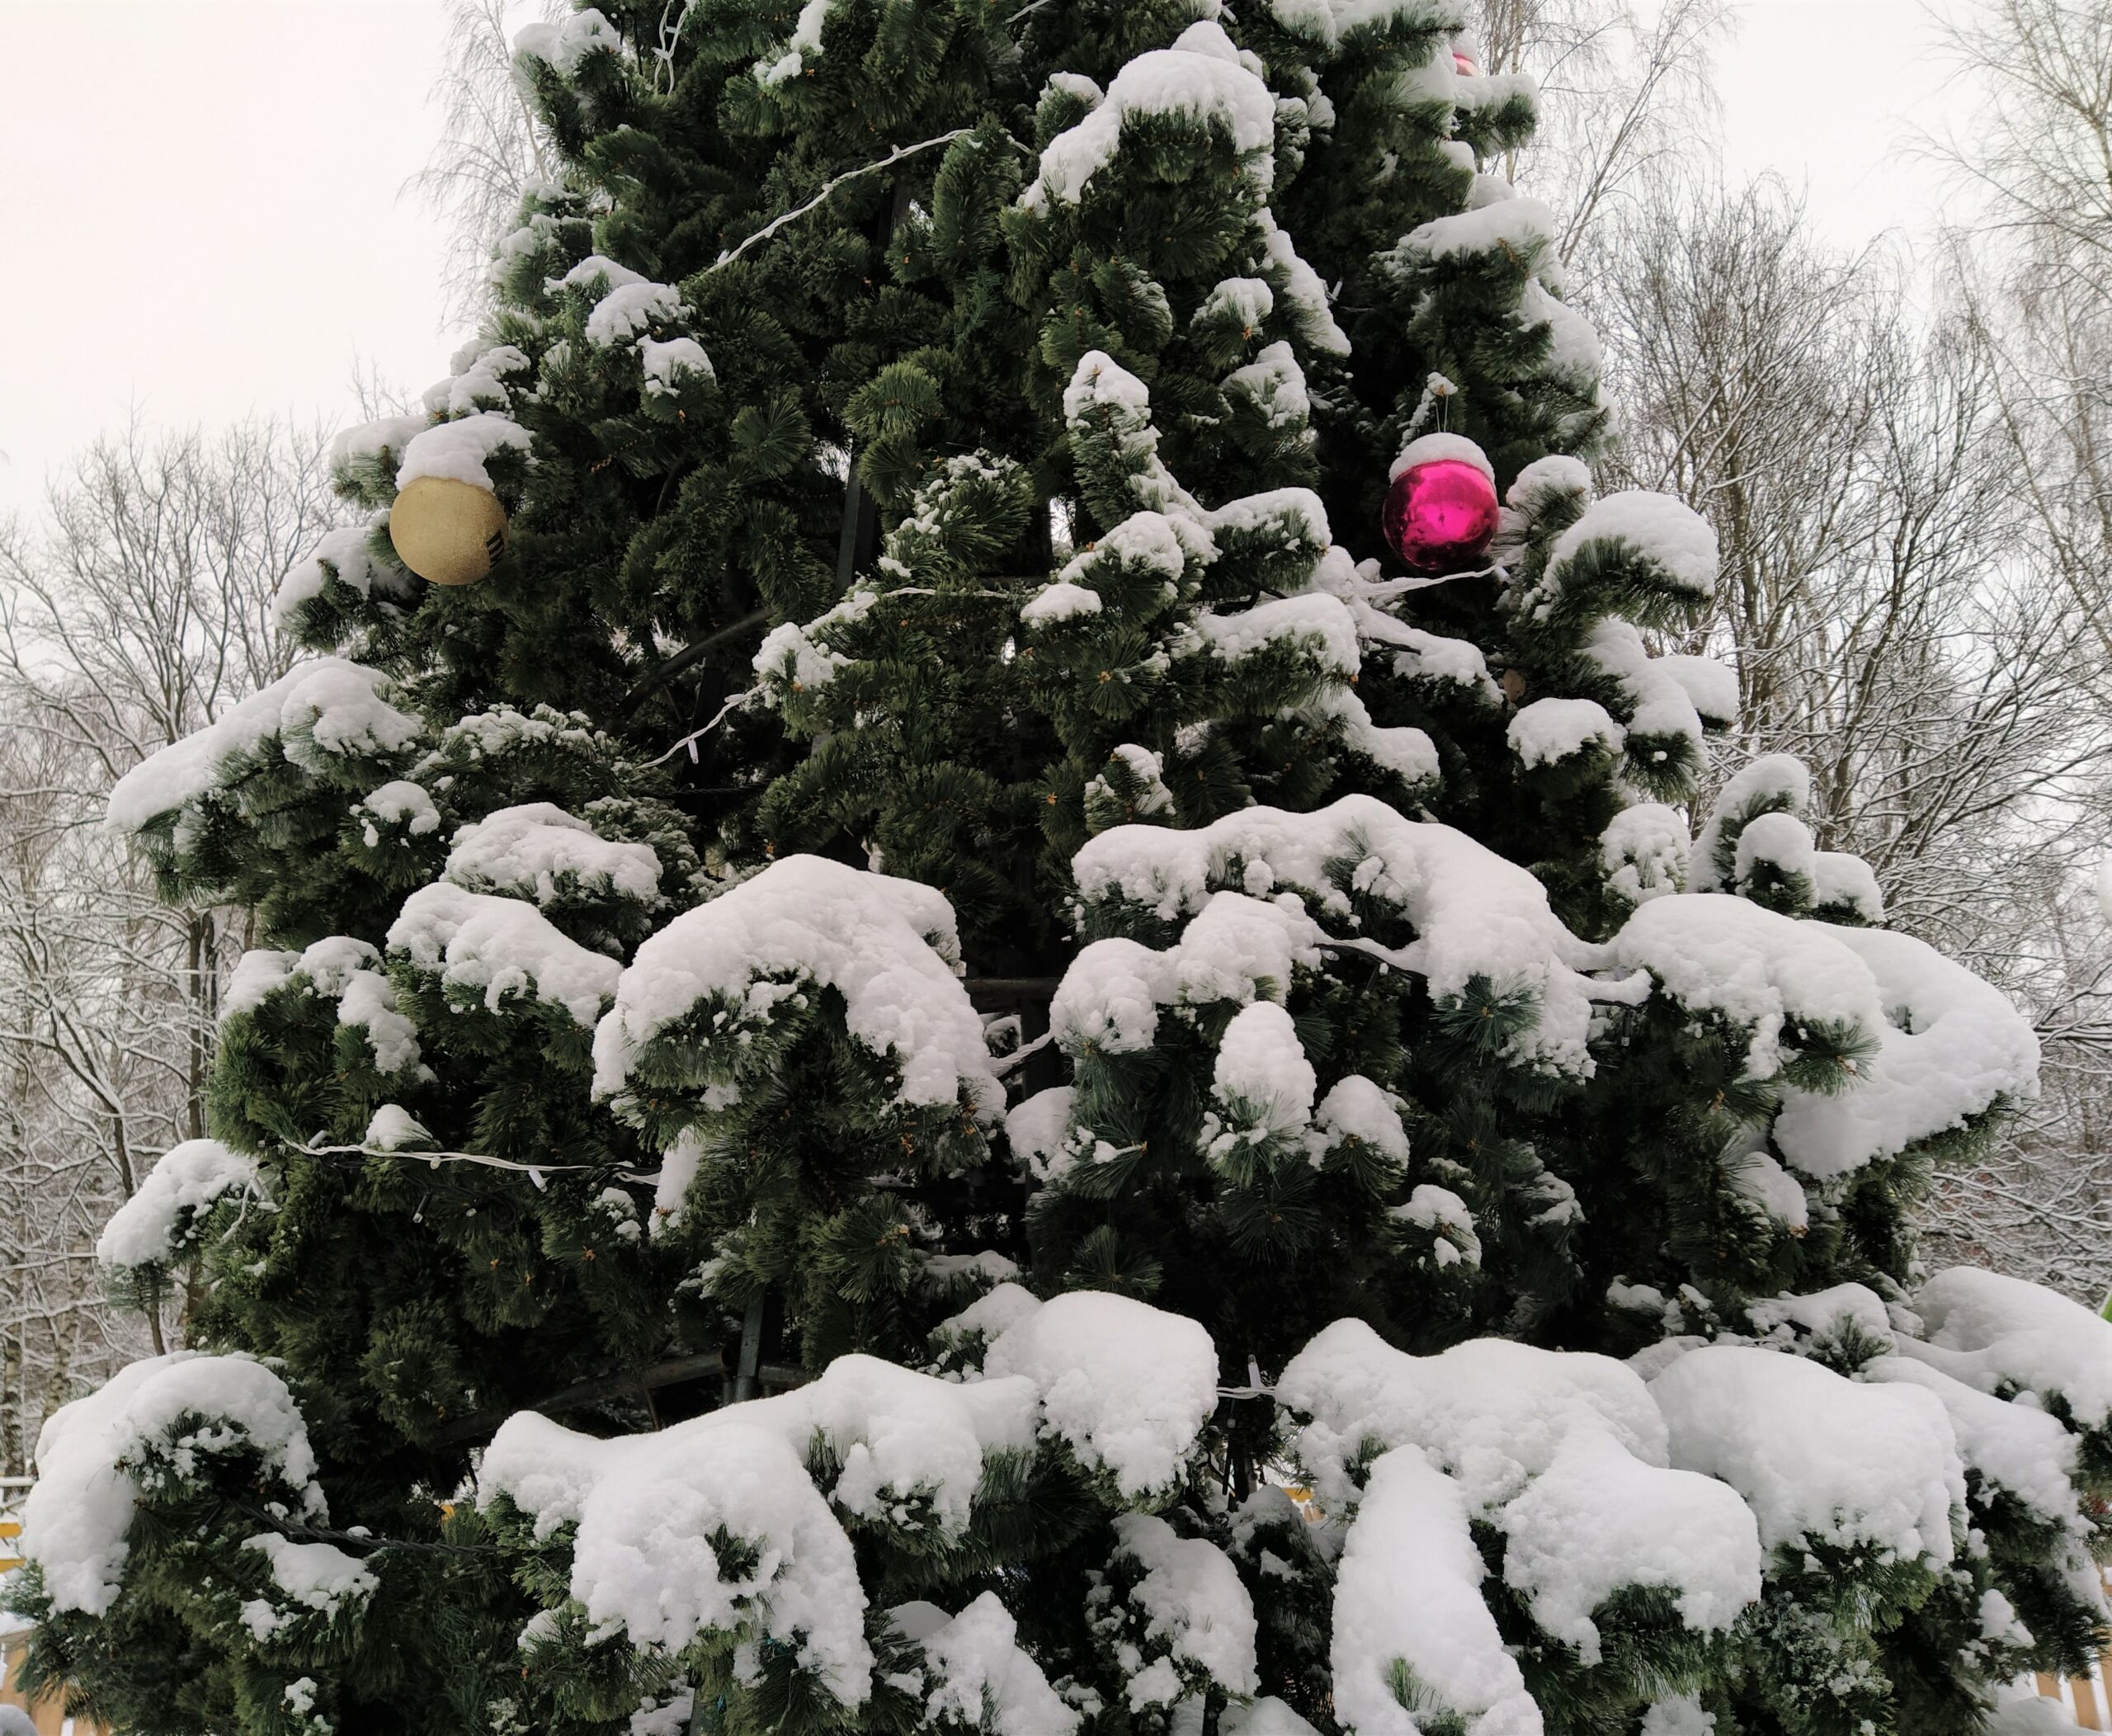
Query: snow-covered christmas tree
[[952, 1058]]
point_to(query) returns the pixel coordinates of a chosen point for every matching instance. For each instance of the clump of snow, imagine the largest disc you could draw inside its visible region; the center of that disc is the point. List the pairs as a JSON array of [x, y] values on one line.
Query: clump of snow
[[1773, 1189], [798, 656], [1036, 1129], [318, 1576], [888, 947], [805, 40], [1476, 915], [563, 45], [341, 554], [1275, 385], [317, 711], [1316, 625], [1355, 1108], [1962, 1048], [392, 1127], [398, 803], [1261, 1070], [1839, 880], [1491, 1412], [1187, 79], [458, 451], [1440, 449], [337, 968], [1776, 782], [1127, 1385], [1817, 1457], [630, 309], [501, 947], [2001, 1334], [1551, 730], [1714, 953], [2018, 1448], [1711, 686], [1193, 1606], [1599, 1518], [1644, 850], [911, 1449], [1780, 841], [540, 850], [1409, 1593], [1665, 534], [1523, 227], [981, 1677], [667, 361], [154, 1226], [1060, 600], [78, 1518]]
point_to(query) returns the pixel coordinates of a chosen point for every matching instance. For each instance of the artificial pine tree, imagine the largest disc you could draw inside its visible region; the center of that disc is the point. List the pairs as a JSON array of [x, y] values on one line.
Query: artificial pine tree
[[950, 1061]]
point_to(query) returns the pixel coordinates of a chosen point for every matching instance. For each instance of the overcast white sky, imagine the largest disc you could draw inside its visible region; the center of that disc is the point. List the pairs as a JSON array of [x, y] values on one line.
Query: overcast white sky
[[204, 212]]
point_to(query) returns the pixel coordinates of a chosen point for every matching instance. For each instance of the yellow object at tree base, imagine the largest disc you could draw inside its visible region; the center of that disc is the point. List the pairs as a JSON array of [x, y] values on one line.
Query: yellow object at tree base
[[448, 532]]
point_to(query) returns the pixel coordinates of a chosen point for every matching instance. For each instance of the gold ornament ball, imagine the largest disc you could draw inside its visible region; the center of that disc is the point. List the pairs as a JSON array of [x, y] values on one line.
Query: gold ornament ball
[[448, 532]]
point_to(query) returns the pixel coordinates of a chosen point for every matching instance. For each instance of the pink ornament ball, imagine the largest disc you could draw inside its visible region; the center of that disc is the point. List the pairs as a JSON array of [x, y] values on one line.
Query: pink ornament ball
[[1441, 515], [1462, 63]]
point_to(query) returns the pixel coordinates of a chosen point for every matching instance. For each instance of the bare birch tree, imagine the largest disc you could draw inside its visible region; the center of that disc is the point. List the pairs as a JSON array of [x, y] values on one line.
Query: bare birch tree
[[138, 610]]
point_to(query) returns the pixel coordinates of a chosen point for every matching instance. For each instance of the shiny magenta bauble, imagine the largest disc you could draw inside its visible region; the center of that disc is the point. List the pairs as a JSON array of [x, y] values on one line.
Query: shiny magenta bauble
[[1441, 515], [1462, 63]]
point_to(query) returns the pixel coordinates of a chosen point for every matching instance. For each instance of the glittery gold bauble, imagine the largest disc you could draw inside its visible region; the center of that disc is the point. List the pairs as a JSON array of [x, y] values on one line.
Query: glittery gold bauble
[[450, 532]]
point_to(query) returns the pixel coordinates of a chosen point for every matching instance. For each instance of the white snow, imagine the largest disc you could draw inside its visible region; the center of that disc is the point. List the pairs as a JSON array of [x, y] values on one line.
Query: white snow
[[1962, 1047], [322, 709], [1715, 953], [1408, 1591], [667, 362], [630, 309], [981, 1678], [1276, 383], [1551, 730], [1839, 878], [399, 802], [1666, 534], [1193, 1604], [457, 451], [192, 1178], [1262, 1072], [1599, 1518], [77, 1517], [1775, 781], [564, 44], [1996, 1333], [1313, 623], [806, 39], [1187, 79], [1491, 1412], [888, 947], [392, 1127], [1777, 841], [1059, 602], [1815, 1456], [1127, 1385], [538, 850], [1428, 449], [1355, 1108], [1644, 850], [1036, 1129], [2016, 1447], [501, 946], [1476, 914], [317, 1576]]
